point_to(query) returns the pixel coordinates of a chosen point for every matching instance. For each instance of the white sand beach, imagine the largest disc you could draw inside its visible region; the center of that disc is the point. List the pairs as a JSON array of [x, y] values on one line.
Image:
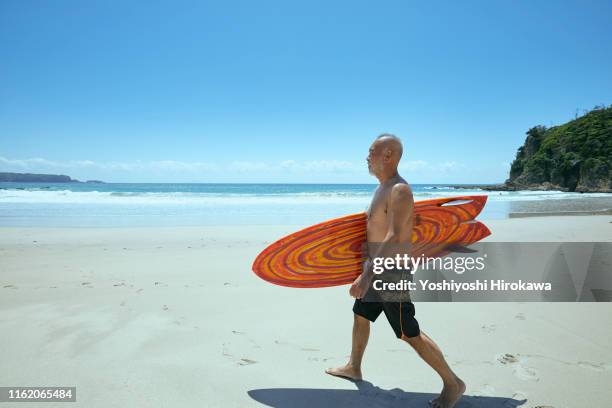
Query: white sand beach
[[174, 317]]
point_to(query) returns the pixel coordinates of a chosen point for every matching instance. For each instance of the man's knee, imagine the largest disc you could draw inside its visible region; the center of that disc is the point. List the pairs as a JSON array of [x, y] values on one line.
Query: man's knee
[[415, 341], [361, 320]]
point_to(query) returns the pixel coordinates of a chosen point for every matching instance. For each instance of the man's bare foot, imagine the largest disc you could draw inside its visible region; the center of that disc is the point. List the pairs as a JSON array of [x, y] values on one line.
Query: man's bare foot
[[450, 395], [347, 371]]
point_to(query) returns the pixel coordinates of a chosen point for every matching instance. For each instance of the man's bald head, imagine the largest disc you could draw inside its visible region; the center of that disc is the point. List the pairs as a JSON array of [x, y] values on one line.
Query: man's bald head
[[393, 144], [385, 154]]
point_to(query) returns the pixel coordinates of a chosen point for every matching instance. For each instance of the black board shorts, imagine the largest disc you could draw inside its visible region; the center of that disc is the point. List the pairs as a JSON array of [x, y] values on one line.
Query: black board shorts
[[399, 314]]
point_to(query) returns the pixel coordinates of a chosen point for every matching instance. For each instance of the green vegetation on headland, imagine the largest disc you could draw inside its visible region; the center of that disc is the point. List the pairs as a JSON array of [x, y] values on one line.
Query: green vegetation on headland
[[575, 156], [39, 178]]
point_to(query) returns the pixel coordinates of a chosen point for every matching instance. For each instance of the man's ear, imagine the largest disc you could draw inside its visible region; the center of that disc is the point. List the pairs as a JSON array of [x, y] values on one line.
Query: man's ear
[[387, 155]]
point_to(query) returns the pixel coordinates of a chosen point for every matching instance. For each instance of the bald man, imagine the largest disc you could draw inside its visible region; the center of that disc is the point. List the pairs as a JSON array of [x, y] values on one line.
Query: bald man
[[389, 228]]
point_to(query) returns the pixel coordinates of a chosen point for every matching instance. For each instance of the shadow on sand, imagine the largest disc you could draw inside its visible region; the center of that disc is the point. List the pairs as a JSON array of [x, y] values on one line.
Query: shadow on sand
[[366, 395]]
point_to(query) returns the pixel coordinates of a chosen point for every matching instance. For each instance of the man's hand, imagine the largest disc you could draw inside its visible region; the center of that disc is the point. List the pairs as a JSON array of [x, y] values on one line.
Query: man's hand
[[362, 283], [360, 286]]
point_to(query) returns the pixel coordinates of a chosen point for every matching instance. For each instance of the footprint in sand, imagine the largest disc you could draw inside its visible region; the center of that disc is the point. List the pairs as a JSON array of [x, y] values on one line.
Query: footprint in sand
[[119, 284], [10, 286], [165, 307], [589, 365], [592, 366], [226, 351], [301, 348], [488, 328], [526, 373], [485, 391], [520, 370], [520, 316], [519, 396], [507, 359], [305, 349], [250, 340]]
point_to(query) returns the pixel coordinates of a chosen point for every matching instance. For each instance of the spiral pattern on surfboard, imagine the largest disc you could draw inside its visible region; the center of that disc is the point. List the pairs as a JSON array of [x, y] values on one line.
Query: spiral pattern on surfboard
[[331, 253]]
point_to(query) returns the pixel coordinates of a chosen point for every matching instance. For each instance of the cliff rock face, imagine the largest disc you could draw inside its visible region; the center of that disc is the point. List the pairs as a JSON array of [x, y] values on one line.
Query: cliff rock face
[[576, 156]]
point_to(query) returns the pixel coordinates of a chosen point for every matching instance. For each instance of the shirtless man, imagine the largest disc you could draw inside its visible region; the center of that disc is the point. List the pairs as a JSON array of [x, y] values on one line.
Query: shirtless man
[[390, 220]]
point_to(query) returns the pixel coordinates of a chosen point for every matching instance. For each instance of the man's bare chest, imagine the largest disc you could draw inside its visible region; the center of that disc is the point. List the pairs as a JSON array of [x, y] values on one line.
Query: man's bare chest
[[377, 211]]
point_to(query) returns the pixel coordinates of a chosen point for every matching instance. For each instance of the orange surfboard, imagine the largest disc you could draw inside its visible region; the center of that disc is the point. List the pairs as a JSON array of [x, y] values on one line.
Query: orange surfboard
[[330, 253]]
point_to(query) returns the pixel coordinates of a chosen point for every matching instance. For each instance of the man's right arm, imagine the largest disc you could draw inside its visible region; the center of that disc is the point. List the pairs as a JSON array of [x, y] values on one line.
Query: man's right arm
[[401, 207]]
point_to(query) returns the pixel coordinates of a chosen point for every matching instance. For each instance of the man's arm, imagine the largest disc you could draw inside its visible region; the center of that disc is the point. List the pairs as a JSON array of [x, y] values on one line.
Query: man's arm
[[400, 210]]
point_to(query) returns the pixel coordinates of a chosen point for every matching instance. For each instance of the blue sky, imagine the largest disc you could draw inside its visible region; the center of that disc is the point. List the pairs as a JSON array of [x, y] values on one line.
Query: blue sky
[[197, 91]]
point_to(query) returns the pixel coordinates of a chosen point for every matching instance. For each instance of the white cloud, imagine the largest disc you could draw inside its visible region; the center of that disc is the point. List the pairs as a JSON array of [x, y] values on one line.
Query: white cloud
[[27, 163], [413, 165], [179, 166], [316, 166], [450, 166], [246, 166], [38, 164], [319, 166], [422, 166]]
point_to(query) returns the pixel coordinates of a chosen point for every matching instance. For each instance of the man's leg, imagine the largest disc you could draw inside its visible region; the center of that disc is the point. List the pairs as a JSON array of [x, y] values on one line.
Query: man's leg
[[430, 352], [361, 333]]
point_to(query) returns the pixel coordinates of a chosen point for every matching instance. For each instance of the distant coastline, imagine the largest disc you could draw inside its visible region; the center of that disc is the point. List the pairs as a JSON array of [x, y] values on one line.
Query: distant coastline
[[40, 178], [507, 186]]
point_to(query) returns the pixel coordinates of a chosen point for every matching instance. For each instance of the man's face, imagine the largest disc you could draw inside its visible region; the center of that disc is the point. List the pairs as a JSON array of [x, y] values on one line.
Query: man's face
[[375, 159]]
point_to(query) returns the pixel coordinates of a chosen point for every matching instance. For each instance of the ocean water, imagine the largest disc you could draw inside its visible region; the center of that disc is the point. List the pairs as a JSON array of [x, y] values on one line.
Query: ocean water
[[149, 204]]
